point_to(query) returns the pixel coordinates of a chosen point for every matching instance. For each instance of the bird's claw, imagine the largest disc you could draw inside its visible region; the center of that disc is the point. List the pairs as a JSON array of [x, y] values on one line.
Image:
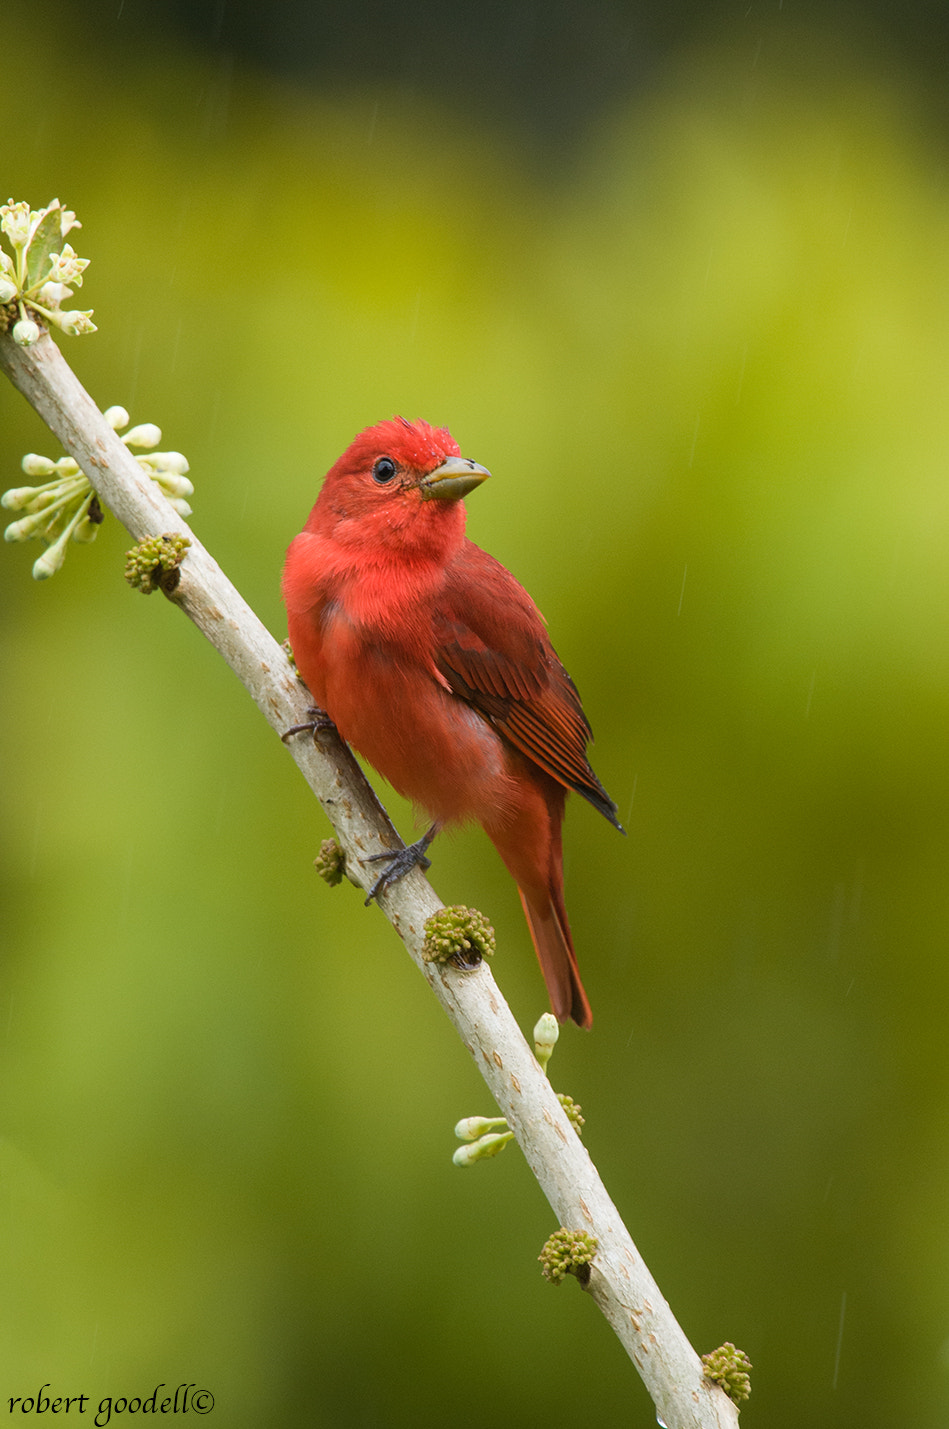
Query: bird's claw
[[319, 720], [399, 862]]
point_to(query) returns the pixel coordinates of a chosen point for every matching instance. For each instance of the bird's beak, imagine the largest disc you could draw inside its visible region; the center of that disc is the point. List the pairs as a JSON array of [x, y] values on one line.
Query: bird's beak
[[452, 480]]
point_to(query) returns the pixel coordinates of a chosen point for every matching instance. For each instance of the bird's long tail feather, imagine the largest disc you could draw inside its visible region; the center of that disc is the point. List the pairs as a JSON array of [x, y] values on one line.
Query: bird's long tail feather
[[550, 932]]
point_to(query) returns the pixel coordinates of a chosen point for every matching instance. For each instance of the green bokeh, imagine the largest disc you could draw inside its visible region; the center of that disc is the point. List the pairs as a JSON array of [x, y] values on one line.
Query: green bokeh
[[707, 364]]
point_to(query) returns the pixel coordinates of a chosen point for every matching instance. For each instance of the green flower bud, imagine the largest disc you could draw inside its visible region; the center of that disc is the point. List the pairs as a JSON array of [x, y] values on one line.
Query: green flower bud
[[155, 561], [729, 1368], [574, 1114], [8, 291], [117, 418], [66, 466], [461, 935], [568, 1253], [26, 332], [182, 507], [330, 862], [146, 434]]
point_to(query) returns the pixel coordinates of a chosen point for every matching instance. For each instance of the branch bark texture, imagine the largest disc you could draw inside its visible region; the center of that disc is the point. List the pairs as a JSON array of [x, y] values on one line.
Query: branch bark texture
[[620, 1282]]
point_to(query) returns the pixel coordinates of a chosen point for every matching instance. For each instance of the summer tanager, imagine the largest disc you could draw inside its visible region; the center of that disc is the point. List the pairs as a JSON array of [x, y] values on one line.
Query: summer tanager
[[434, 663]]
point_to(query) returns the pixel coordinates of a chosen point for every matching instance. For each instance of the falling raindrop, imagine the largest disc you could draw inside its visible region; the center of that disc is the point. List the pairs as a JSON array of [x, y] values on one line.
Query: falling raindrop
[[682, 590], [840, 1338]]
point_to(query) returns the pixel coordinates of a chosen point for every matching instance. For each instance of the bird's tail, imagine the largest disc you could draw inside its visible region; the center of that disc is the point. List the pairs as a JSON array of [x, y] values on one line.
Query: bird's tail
[[550, 931], [529, 842]]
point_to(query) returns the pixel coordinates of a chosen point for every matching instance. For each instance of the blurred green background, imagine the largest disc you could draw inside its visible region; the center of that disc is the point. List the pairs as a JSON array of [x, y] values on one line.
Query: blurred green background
[[679, 279]]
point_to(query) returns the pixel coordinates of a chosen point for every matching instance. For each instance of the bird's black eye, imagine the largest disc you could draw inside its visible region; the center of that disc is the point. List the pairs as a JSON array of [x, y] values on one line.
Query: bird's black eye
[[384, 470]]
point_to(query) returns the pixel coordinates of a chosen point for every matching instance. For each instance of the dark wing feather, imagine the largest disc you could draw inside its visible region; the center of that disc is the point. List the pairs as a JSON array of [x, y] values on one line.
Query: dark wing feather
[[494, 652]]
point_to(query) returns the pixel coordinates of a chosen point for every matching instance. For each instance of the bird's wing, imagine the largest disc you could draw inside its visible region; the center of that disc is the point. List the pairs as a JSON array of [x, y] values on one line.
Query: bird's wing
[[494, 652]]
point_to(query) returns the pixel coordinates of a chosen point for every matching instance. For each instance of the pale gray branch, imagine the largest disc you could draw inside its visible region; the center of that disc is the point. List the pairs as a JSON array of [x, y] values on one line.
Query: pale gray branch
[[619, 1282]]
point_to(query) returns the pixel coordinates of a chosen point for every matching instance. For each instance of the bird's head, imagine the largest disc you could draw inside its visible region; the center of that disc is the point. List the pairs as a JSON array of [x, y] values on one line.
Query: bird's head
[[399, 484]]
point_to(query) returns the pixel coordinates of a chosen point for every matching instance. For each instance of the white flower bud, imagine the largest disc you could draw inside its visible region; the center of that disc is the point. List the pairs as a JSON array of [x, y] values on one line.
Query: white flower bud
[[117, 418], [470, 1128], [18, 497], [546, 1034], [27, 526], [170, 461], [464, 1156], [144, 435], [8, 290], [25, 332], [35, 465], [182, 507], [49, 562], [481, 1149], [173, 485], [67, 466]]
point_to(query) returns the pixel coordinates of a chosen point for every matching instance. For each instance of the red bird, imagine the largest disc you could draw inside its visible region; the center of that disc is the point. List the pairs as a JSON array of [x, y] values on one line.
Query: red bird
[[435, 664]]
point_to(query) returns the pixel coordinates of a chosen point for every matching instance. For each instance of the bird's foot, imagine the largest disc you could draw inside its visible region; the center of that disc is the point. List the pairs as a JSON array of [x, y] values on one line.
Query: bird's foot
[[318, 720], [399, 862]]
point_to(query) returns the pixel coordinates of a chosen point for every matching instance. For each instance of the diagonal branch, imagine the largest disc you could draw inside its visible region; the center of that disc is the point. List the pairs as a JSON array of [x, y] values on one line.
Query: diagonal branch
[[619, 1282]]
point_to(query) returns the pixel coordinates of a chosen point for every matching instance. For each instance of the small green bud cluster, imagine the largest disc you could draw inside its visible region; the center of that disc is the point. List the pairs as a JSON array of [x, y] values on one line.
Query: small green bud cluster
[[36, 271], [153, 563], [330, 862], [460, 935], [65, 507], [574, 1114], [568, 1253], [730, 1370]]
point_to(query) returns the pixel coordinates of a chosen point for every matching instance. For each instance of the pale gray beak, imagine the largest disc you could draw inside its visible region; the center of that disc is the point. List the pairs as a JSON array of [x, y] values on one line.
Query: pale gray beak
[[452, 480]]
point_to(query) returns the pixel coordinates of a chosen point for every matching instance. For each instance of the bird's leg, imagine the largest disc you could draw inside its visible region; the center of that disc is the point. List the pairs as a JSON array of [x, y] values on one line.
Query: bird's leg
[[318, 720], [400, 862]]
